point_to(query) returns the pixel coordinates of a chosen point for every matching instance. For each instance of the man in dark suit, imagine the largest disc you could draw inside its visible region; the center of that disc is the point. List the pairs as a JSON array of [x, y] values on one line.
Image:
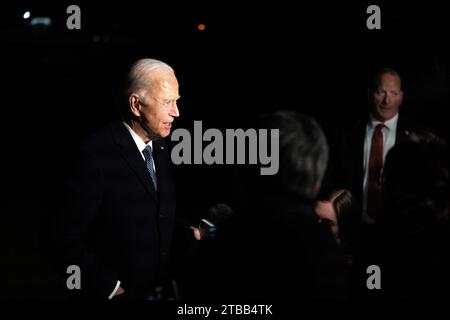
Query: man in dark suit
[[358, 161], [357, 165], [117, 220]]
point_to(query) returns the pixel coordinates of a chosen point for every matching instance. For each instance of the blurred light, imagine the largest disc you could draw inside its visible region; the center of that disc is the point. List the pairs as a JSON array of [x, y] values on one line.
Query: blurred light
[[26, 15], [41, 21], [201, 27]]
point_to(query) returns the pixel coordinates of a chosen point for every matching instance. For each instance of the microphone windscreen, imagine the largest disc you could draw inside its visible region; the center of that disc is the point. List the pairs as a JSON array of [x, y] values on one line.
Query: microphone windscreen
[[219, 213]]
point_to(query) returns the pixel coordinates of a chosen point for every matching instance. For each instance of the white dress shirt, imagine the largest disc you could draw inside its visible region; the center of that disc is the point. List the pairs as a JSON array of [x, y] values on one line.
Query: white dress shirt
[[389, 135], [140, 143]]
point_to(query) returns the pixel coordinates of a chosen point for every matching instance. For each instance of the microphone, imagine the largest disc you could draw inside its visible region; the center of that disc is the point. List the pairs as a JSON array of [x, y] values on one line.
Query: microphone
[[217, 214]]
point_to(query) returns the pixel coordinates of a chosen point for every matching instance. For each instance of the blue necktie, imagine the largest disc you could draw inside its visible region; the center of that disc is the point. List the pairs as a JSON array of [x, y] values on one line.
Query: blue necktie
[[149, 162]]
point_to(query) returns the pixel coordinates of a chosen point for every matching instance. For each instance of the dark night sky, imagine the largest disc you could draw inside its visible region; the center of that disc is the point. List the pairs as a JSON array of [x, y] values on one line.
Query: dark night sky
[[314, 58]]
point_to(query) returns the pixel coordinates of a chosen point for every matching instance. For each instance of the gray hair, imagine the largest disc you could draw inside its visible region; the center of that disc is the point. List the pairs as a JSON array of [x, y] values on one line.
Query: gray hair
[[303, 153], [138, 77]]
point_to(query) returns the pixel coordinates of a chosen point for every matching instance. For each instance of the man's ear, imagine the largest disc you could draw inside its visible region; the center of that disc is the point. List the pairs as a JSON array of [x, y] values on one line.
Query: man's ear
[[134, 104]]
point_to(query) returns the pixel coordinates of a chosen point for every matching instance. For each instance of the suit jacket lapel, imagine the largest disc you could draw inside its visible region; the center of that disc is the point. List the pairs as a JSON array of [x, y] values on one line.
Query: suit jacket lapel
[[402, 130], [161, 157], [132, 156]]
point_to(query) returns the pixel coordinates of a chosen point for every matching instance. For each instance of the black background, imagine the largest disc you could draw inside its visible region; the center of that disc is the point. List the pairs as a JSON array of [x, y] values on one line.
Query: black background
[[59, 85]]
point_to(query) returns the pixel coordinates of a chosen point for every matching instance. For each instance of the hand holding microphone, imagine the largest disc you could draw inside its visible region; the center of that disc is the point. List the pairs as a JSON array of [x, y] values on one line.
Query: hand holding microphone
[[217, 214], [207, 229]]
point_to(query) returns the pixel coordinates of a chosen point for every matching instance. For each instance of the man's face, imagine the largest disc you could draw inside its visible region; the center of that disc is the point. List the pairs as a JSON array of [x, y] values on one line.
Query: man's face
[[158, 107], [387, 98]]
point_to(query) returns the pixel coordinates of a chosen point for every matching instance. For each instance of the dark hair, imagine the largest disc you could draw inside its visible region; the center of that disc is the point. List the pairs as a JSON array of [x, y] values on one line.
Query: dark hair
[[342, 202], [416, 180], [427, 137], [344, 205]]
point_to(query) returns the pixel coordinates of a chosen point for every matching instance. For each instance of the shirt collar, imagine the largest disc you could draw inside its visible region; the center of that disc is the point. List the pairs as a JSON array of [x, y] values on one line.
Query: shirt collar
[[139, 142], [391, 124]]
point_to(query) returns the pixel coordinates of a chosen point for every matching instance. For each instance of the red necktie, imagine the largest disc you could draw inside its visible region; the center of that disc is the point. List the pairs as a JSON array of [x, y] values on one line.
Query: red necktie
[[374, 195]]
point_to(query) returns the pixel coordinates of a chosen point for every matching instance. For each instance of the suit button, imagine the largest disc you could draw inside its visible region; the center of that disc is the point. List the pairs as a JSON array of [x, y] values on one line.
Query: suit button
[[163, 253]]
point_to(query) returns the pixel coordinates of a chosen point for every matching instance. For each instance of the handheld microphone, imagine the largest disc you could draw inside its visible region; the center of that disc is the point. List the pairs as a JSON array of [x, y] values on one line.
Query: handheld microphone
[[217, 214]]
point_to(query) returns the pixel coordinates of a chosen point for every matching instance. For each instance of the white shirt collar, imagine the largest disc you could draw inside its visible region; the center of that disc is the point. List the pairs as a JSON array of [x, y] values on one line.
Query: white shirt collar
[[139, 142], [391, 124]]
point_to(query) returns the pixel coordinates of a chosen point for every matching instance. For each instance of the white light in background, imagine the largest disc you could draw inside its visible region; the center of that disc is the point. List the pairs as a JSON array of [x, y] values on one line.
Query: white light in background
[[41, 21], [26, 15]]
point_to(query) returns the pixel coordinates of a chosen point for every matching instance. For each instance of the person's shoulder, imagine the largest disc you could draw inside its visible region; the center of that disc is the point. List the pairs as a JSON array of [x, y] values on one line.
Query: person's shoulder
[[357, 126], [161, 144], [104, 136], [350, 132], [407, 124]]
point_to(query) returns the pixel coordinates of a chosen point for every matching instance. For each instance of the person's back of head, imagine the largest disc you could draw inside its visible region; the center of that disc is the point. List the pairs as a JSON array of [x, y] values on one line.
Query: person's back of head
[[287, 241], [336, 207], [303, 154], [415, 237], [416, 182]]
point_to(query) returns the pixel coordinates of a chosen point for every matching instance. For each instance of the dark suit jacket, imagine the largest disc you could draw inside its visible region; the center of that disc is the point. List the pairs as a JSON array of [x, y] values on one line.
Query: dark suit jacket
[[346, 171], [347, 158], [113, 224]]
